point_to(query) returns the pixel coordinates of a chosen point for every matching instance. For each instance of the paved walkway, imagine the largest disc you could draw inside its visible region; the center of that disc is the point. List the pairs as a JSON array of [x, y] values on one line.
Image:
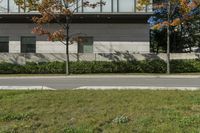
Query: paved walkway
[[105, 76]]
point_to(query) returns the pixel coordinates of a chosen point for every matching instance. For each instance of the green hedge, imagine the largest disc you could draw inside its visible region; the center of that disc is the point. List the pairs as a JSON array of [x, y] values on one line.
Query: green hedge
[[148, 66]]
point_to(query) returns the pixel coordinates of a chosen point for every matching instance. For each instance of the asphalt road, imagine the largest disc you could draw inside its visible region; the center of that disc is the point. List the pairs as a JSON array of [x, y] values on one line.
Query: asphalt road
[[61, 82]]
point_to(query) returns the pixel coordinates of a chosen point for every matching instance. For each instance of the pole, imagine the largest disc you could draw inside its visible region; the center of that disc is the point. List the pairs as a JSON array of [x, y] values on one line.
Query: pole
[[67, 46], [168, 38]]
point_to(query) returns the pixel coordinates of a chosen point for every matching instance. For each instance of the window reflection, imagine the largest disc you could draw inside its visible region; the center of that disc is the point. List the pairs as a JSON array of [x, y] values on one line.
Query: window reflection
[[13, 7], [89, 9], [143, 8], [4, 6], [126, 5], [108, 6]]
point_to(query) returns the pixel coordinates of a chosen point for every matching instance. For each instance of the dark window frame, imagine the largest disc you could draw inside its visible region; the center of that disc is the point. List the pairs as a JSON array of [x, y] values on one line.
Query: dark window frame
[[6, 48], [25, 50], [81, 45]]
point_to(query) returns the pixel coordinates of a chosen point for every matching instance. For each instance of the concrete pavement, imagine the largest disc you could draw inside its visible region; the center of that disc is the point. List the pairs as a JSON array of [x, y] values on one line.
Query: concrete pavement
[[25, 88], [103, 76]]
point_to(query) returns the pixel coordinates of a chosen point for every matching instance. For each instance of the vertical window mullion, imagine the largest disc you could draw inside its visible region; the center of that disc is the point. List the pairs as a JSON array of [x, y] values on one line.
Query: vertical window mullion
[[8, 6], [77, 1], [117, 5], [24, 6], [19, 9], [146, 8], [82, 6], [101, 8], [135, 5], [112, 6]]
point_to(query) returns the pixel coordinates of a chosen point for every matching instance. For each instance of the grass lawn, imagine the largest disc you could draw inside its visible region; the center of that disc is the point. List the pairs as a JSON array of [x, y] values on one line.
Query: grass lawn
[[112, 111]]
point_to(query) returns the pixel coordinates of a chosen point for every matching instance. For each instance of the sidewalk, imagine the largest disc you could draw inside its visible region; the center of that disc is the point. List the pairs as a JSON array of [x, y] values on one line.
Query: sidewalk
[[33, 76]]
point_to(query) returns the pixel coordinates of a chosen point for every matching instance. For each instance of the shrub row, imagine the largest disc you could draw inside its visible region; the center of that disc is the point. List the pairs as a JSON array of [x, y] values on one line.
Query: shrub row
[[119, 67], [148, 66]]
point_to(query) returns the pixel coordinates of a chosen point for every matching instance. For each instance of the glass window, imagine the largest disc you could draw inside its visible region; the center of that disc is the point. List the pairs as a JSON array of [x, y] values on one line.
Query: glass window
[[79, 6], [73, 6], [143, 8], [4, 6], [90, 9], [28, 44], [86, 45], [126, 5], [4, 44], [13, 7], [107, 7], [150, 7], [115, 5]]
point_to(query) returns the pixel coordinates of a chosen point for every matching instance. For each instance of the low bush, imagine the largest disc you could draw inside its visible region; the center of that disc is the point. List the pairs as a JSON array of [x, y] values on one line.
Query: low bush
[[181, 66], [82, 67]]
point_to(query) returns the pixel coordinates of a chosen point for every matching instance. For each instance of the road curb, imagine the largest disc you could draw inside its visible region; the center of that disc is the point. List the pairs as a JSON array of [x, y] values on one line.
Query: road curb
[[136, 88], [25, 88]]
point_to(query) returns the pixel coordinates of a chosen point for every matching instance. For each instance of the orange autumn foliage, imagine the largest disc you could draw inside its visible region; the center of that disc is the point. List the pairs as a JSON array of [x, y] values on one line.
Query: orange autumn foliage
[[176, 22], [185, 8]]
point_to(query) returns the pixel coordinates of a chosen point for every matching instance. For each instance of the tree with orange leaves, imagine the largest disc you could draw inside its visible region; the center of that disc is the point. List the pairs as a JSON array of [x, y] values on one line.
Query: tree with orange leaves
[[182, 15], [181, 11], [170, 14], [55, 11]]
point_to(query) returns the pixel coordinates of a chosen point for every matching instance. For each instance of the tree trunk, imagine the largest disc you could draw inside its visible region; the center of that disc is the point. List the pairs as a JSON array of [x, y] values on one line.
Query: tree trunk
[[168, 39], [67, 47]]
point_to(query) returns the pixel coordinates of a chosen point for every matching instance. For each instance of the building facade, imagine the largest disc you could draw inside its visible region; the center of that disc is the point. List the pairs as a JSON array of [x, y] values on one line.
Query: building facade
[[116, 27]]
